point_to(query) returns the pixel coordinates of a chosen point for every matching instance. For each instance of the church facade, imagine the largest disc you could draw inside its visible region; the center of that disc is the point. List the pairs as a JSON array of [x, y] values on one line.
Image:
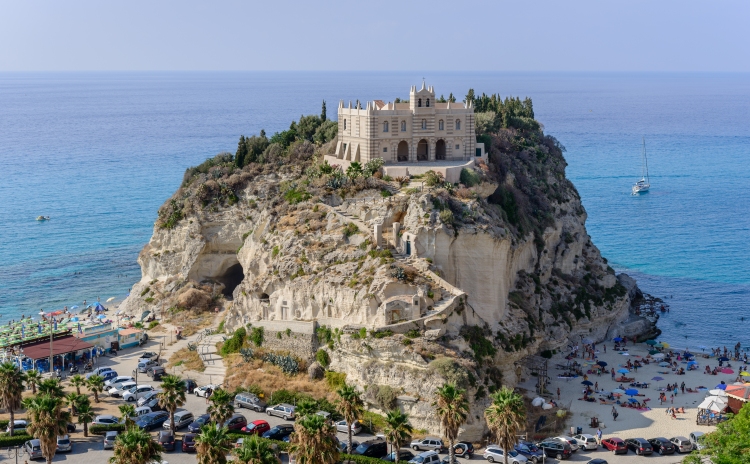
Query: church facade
[[421, 130]]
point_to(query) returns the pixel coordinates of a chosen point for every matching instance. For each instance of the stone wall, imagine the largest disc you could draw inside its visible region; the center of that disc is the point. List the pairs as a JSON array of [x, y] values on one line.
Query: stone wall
[[300, 340]]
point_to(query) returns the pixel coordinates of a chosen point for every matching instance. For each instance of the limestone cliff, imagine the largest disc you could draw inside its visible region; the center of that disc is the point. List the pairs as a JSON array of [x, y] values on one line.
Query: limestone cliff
[[426, 285]]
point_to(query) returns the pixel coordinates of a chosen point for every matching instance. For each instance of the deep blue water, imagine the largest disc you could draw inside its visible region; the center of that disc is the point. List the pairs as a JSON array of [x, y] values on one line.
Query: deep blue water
[[100, 152]]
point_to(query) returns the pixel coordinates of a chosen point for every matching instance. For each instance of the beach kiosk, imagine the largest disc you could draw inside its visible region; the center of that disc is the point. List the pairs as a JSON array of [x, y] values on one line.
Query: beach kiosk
[[129, 338]]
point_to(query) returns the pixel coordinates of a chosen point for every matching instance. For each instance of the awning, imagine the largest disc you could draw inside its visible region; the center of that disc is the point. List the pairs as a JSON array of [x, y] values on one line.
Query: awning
[[63, 345]]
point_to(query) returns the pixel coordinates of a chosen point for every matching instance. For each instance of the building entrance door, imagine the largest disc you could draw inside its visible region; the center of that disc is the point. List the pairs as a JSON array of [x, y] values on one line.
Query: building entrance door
[[440, 150], [403, 152], [423, 150]]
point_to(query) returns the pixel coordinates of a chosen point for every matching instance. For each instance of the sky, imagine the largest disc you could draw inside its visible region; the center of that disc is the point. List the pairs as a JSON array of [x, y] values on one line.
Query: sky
[[387, 35]]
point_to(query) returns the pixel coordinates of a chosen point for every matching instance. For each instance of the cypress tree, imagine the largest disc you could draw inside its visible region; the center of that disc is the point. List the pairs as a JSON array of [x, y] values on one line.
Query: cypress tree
[[239, 157], [451, 98], [323, 112]]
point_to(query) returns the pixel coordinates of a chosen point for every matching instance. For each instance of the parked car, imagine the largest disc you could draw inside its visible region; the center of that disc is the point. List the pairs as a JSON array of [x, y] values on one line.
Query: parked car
[[144, 365], [249, 401], [695, 439], [166, 440], [597, 461], [640, 446], [182, 418], [64, 445], [236, 422], [257, 427], [117, 391], [156, 372], [341, 426], [71, 428], [109, 439], [190, 385], [463, 449], [662, 446], [428, 457], [403, 455], [278, 432], [19, 427], [375, 448], [149, 356], [569, 440], [152, 421], [682, 444], [134, 393], [531, 451], [109, 375], [195, 426], [344, 445], [106, 419], [152, 402], [494, 453], [33, 448], [427, 444], [556, 449], [117, 381], [586, 441], [285, 411], [98, 371], [188, 443], [140, 411], [203, 391], [616, 445]]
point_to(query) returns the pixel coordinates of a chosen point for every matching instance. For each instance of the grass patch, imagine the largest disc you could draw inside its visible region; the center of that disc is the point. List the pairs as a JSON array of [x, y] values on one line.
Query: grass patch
[[189, 360]]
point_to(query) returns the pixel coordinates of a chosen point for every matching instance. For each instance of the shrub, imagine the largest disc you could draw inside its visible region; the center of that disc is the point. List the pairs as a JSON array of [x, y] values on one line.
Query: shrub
[[402, 180], [413, 333], [446, 216], [287, 396], [480, 345], [385, 193], [275, 251], [149, 300], [145, 290], [296, 195], [335, 380], [252, 388], [450, 370], [469, 177], [234, 343], [350, 229], [432, 178], [256, 336], [372, 166], [288, 364], [101, 429], [381, 333], [15, 440], [322, 357], [152, 324]]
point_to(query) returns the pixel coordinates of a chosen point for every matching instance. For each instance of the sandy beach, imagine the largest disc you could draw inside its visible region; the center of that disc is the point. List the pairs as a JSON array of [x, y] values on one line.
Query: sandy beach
[[633, 423]]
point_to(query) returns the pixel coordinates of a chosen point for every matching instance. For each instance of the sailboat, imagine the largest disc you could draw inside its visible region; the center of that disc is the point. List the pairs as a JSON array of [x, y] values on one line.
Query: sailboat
[[644, 184]]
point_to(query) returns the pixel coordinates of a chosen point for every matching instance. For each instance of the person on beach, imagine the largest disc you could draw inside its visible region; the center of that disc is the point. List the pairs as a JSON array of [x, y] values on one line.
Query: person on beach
[[558, 393], [605, 348], [614, 414], [613, 373], [599, 436]]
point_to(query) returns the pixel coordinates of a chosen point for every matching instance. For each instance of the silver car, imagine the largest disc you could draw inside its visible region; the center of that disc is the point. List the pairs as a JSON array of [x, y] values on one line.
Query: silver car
[[34, 449], [285, 411], [64, 445], [428, 444], [109, 440], [341, 427], [682, 444]]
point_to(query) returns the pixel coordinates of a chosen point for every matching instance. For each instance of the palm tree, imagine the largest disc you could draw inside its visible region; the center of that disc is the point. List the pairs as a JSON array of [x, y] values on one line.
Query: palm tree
[[172, 396], [314, 441], [127, 411], [47, 421], [33, 377], [11, 389], [350, 406], [86, 415], [73, 399], [95, 384], [135, 446], [398, 431], [212, 445], [78, 381], [505, 417], [452, 409], [221, 407], [305, 407], [255, 451], [51, 387]]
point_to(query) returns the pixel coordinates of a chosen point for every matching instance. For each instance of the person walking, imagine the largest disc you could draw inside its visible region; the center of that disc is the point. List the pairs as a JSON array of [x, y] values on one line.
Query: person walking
[[614, 414], [599, 436], [682, 387]]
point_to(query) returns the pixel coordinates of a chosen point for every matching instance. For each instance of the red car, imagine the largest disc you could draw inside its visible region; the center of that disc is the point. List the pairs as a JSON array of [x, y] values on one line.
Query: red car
[[257, 427], [236, 422], [616, 445]]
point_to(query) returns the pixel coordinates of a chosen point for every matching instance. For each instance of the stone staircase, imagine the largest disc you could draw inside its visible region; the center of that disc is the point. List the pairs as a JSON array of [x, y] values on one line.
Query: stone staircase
[[211, 358]]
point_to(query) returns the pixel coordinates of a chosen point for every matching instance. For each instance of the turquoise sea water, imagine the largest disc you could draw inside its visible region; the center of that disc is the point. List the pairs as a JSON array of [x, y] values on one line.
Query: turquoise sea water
[[100, 152]]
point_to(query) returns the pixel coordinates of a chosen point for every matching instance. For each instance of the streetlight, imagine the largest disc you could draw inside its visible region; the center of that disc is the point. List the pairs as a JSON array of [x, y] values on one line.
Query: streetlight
[[51, 366]]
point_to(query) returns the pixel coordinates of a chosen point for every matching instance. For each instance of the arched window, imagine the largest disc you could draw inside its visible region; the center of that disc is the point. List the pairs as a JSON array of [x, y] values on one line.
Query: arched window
[[419, 103], [385, 126], [441, 126], [344, 124], [403, 126], [458, 124], [424, 124], [428, 103]]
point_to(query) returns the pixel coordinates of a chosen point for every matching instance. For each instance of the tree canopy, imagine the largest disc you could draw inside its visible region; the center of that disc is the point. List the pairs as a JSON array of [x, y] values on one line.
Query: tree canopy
[[729, 444]]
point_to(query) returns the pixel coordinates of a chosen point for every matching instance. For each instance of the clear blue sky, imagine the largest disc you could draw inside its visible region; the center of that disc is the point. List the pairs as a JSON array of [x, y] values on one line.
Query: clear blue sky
[[493, 35]]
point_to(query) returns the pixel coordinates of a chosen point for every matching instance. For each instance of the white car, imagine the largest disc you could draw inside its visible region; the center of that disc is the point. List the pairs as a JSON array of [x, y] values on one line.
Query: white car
[[136, 392], [494, 453], [202, 391], [586, 441], [118, 391], [98, 371], [341, 427], [119, 380]]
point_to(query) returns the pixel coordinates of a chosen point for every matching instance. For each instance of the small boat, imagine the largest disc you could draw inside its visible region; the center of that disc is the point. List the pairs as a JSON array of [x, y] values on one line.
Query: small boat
[[644, 184], [42, 218]]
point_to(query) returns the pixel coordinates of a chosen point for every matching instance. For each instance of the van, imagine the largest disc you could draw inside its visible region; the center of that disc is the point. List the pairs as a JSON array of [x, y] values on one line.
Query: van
[[141, 410], [182, 419], [695, 439]]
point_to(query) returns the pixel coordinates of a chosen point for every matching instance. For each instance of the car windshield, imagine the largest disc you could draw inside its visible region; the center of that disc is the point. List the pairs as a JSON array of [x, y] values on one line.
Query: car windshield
[[362, 448], [201, 419], [64, 441]]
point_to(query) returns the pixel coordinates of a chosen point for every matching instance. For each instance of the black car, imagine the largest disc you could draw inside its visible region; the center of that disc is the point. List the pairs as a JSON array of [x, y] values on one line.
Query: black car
[[279, 432], [195, 426], [152, 420], [376, 448], [188, 443], [190, 385], [555, 449], [156, 372], [344, 445], [597, 461], [662, 446], [530, 451], [403, 455], [640, 446], [166, 440], [71, 428], [463, 449]]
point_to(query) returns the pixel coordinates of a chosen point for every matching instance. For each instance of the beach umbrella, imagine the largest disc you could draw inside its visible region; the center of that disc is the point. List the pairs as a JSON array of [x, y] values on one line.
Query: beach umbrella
[[604, 364], [659, 345], [665, 344], [623, 371], [110, 299], [74, 319], [631, 391], [744, 373], [717, 392], [664, 364], [101, 316], [618, 391], [658, 355], [587, 382], [617, 339], [653, 352], [632, 400], [74, 307], [658, 379], [651, 342], [723, 359], [722, 386], [726, 370]]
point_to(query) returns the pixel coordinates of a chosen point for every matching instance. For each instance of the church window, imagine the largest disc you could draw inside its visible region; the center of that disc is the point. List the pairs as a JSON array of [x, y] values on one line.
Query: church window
[[385, 126], [344, 124], [403, 126], [424, 124], [419, 103], [440, 125], [385, 149], [458, 124], [457, 147], [428, 103]]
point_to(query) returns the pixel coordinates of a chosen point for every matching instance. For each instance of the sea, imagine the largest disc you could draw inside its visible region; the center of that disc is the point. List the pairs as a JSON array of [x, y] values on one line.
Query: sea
[[100, 152]]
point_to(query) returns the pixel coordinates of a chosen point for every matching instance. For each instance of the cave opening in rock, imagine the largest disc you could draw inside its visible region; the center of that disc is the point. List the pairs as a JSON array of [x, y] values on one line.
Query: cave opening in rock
[[231, 279]]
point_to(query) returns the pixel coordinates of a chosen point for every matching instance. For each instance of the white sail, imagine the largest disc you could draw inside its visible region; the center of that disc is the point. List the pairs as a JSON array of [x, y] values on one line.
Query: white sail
[[644, 184]]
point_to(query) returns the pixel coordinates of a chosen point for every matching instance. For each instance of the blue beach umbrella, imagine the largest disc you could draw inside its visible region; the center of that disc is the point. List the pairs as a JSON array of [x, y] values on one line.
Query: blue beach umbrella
[[623, 371], [692, 363], [74, 319], [722, 386], [617, 339], [723, 359], [74, 307], [631, 391], [587, 382], [651, 342], [658, 379], [602, 363], [632, 400]]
